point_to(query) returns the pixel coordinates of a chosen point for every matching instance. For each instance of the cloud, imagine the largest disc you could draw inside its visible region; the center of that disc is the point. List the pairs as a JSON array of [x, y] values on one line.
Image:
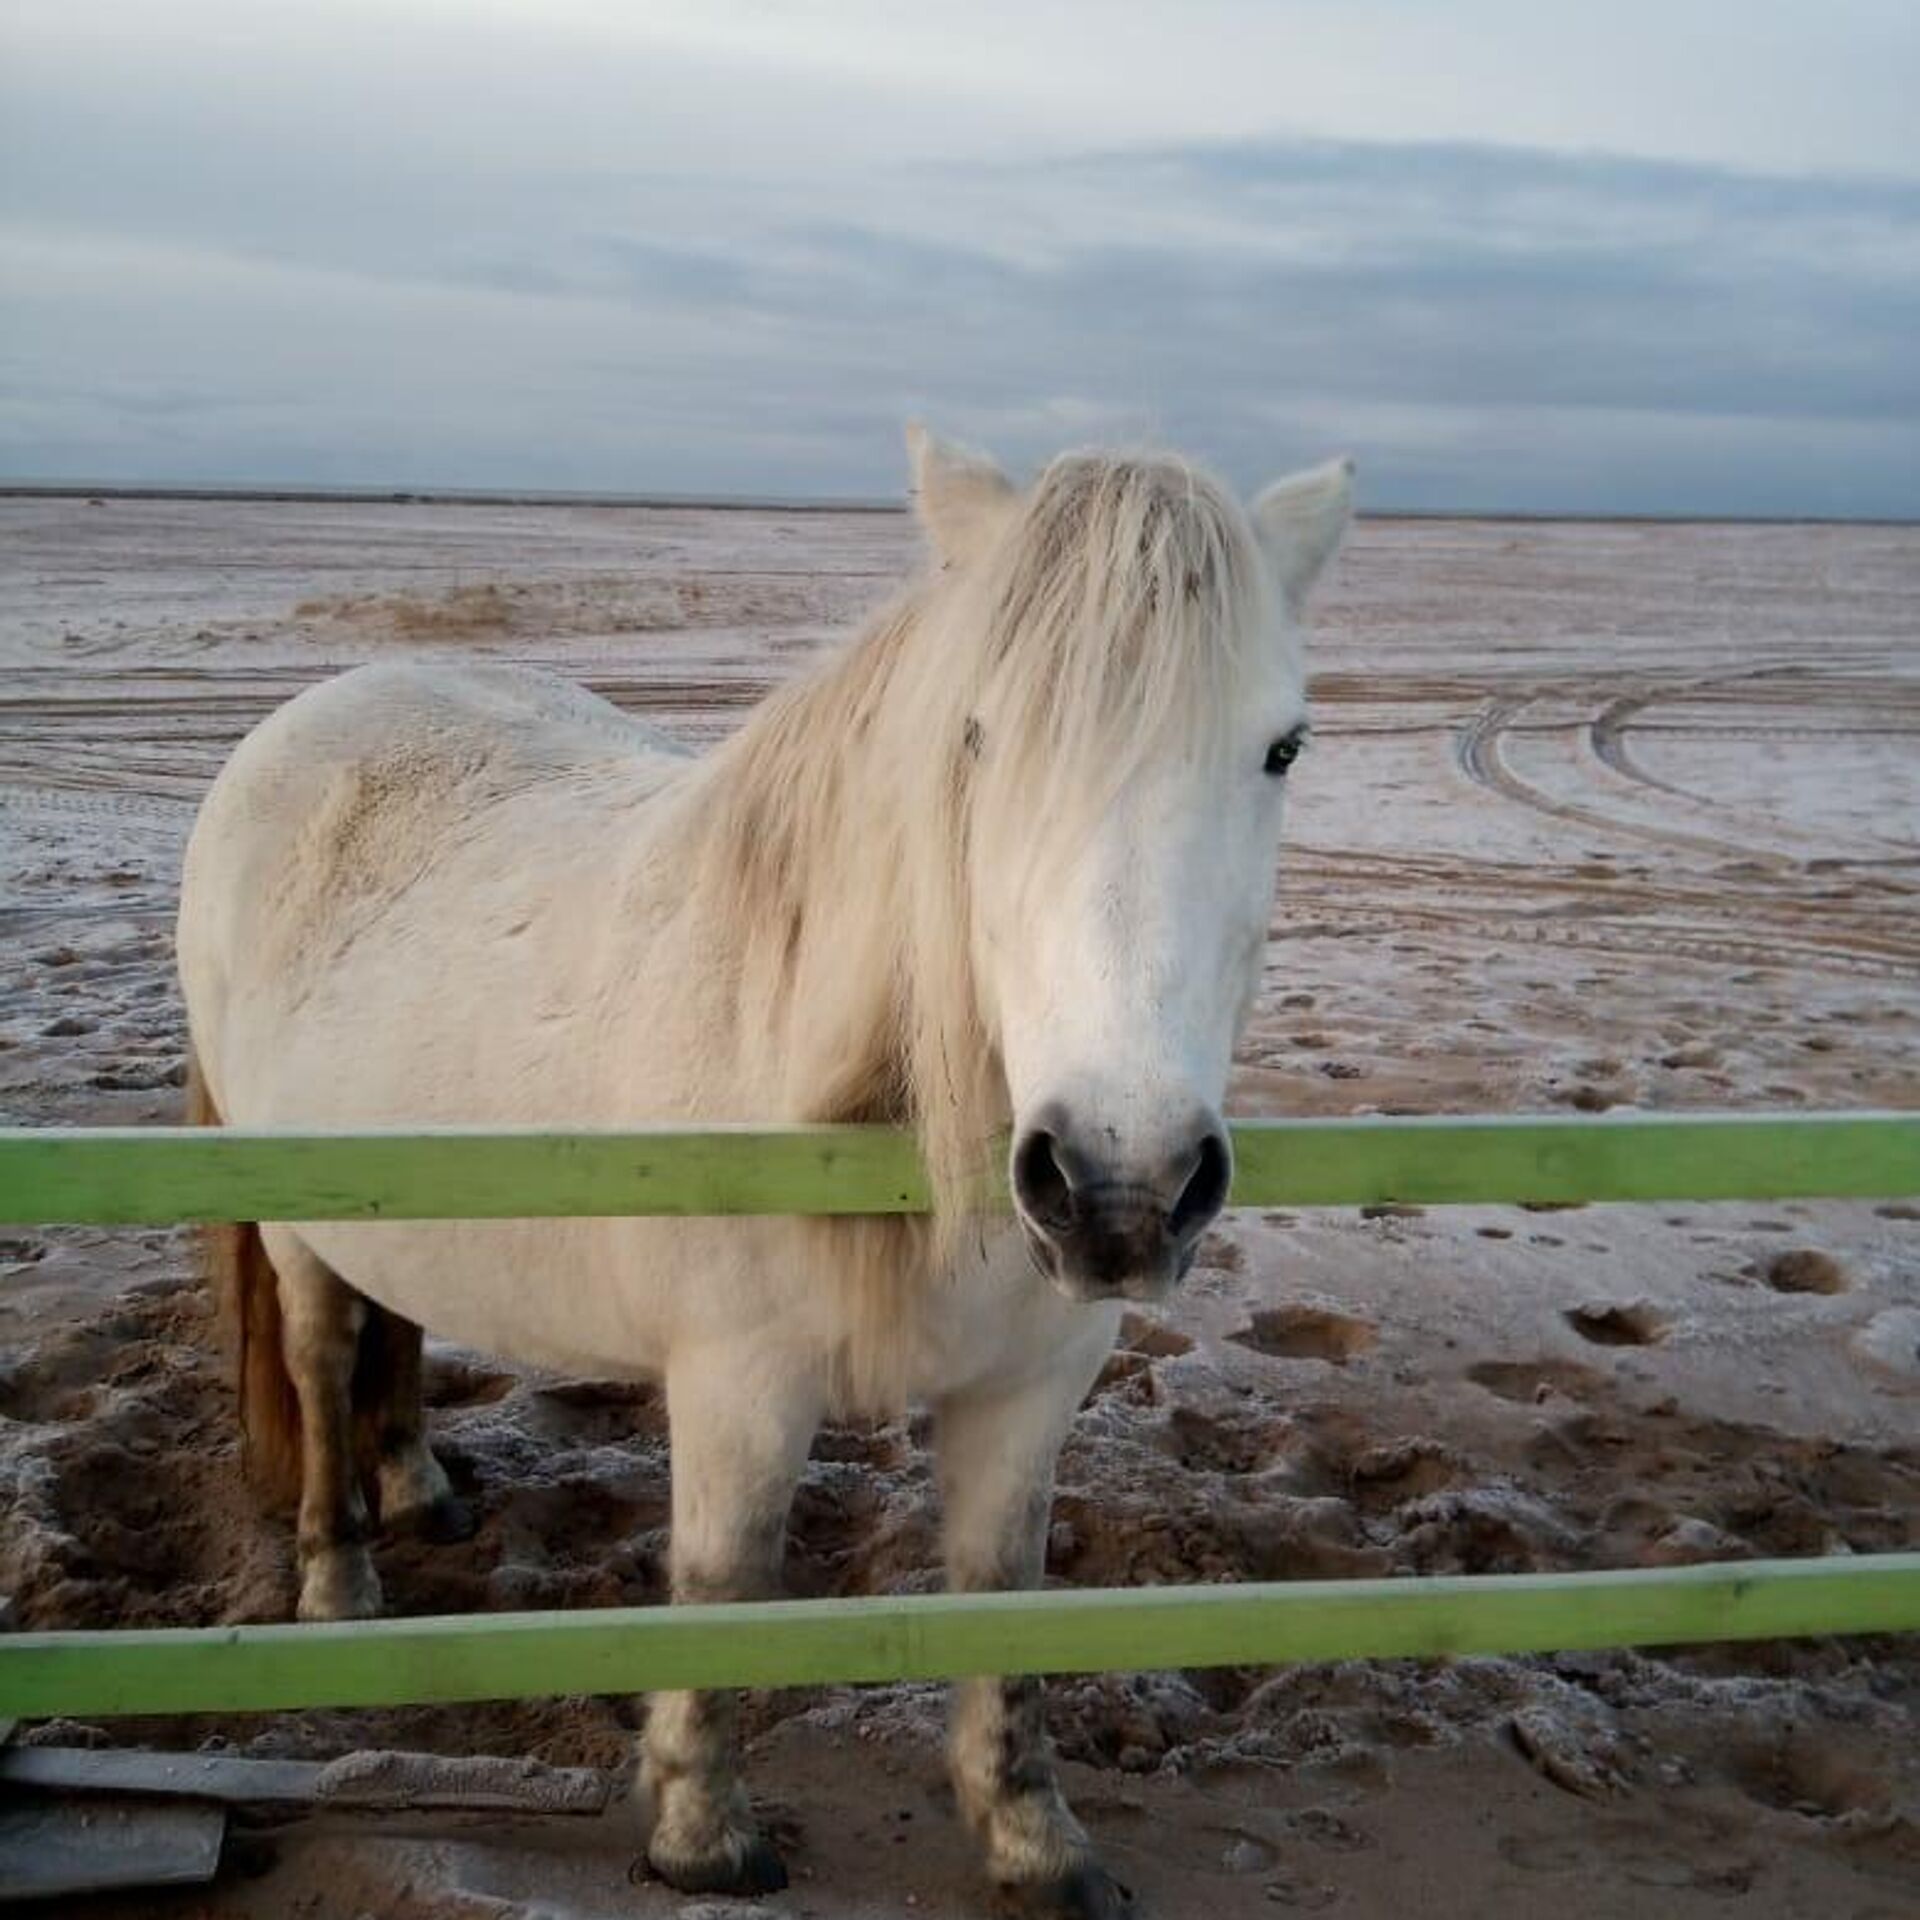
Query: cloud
[[204, 284]]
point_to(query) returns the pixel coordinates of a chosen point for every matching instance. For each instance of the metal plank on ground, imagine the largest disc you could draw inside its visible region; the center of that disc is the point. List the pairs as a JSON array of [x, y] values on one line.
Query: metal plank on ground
[[371, 1778], [158, 1176], [55, 1848]]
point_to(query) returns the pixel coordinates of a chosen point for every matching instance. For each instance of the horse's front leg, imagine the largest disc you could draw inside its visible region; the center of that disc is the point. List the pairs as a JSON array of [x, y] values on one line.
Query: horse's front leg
[[997, 1453], [740, 1426]]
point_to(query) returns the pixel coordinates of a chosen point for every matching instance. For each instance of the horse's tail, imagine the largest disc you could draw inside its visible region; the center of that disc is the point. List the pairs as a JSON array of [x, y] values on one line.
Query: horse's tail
[[247, 1296]]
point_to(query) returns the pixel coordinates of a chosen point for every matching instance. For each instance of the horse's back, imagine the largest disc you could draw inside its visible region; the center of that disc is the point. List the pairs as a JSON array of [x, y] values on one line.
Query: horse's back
[[450, 726], [397, 806]]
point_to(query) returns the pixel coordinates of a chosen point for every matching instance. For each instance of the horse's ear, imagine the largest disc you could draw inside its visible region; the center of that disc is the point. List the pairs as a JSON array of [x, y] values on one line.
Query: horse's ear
[[1300, 521], [961, 497]]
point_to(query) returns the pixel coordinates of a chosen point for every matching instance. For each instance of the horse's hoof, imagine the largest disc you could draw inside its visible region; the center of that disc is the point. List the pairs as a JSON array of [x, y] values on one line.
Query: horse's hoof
[[338, 1583], [753, 1867], [1084, 1892], [442, 1522]]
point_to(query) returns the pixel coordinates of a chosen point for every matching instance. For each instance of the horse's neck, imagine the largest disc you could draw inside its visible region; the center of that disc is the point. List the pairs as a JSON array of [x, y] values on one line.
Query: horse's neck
[[793, 844]]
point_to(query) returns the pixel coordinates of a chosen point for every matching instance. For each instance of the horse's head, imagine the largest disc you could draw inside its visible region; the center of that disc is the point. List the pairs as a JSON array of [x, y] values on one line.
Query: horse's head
[[1135, 698]]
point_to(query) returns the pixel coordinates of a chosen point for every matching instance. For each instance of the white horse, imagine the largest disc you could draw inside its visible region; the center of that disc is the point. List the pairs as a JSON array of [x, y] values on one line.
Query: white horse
[[1003, 864]]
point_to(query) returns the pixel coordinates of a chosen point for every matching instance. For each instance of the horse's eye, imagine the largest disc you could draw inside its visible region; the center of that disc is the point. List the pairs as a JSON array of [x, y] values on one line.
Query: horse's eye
[[1286, 750]]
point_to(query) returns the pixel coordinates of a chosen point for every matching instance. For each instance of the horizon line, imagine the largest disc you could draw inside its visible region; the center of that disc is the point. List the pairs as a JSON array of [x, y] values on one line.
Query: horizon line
[[319, 493]]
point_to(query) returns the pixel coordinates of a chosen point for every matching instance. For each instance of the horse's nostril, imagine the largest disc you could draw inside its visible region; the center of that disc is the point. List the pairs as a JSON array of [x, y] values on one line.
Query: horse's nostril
[[1206, 1190], [1041, 1183]]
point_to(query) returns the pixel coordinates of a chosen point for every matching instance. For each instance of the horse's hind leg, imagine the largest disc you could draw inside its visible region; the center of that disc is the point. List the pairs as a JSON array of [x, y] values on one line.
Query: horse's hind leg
[[413, 1490], [321, 1321], [739, 1440]]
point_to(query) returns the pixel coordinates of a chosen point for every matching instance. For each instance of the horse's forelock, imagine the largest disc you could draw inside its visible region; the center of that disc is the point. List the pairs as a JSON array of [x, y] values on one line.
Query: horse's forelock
[[1114, 620]]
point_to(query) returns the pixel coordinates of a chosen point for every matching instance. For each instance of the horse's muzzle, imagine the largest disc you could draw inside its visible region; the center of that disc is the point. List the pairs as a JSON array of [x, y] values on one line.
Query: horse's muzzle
[[1100, 1237], [1125, 1255]]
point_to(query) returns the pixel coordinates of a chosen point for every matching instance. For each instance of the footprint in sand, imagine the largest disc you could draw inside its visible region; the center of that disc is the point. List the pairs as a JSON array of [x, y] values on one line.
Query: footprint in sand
[[1620, 1323], [1204, 1443], [1695, 1054], [1221, 1254], [1321, 1827], [1809, 1775], [56, 1382], [1527, 1382], [1804, 1270], [1301, 1891], [1391, 1474], [1243, 1852], [1585, 1098], [1156, 1341], [1617, 1857], [1307, 1333]]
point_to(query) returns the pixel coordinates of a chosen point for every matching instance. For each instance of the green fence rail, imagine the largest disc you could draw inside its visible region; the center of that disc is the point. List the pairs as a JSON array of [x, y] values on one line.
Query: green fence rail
[[156, 1176], [942, 1636]]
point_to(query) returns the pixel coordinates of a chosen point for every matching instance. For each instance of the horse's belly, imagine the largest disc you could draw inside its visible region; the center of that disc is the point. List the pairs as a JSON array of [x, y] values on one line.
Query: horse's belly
[[535, 1291], [598, 1297]]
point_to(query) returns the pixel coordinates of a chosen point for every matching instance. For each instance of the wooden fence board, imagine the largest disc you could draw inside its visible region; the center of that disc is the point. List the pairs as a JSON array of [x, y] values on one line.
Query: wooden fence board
[[157, 1176], [943, 1636]]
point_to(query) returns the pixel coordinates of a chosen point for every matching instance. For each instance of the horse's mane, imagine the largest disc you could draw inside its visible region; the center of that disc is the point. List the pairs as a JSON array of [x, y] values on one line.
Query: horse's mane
[[994, 709]]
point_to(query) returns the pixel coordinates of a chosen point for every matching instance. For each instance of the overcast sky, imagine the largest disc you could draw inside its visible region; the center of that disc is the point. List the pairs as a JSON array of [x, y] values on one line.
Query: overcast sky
[[1640, 258]]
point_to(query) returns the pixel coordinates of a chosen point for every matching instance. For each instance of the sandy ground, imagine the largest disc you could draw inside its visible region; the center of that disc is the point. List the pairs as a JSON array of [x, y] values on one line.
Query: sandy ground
[[1597, 816]]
